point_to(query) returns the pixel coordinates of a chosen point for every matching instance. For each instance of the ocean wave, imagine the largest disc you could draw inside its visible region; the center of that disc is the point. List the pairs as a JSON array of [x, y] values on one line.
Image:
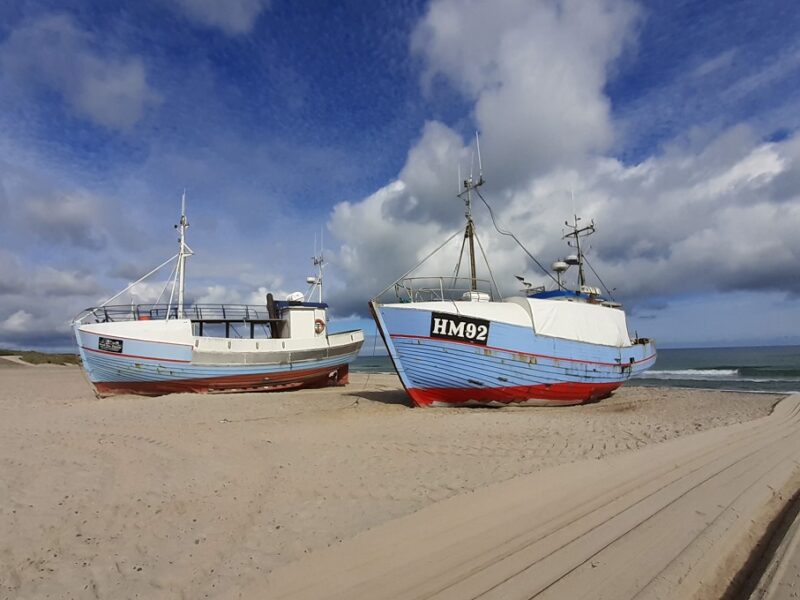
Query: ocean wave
[[691, 374], [731, 375], [750, 374]]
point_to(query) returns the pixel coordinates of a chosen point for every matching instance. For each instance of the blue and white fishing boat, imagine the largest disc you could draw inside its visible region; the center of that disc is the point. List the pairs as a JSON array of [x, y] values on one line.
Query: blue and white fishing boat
[[154, 349], [455, 341]]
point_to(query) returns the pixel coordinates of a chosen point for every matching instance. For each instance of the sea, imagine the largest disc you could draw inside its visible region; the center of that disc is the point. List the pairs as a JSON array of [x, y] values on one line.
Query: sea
[[754, 369]]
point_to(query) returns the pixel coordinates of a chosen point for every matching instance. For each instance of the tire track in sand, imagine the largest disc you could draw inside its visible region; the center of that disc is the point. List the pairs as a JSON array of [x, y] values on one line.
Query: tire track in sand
[[670, 520]]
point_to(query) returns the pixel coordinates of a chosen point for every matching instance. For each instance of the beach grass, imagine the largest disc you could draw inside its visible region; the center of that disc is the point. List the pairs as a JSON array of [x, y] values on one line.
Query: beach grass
[[43, 358]]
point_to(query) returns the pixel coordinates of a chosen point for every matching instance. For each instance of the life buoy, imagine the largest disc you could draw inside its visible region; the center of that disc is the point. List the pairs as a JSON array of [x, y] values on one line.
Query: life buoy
[[319, 326]]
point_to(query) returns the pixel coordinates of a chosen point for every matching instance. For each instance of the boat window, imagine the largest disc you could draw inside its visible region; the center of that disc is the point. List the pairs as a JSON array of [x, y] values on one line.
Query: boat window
[[238, 330], [212, 330], [231, 330], [261, 331]]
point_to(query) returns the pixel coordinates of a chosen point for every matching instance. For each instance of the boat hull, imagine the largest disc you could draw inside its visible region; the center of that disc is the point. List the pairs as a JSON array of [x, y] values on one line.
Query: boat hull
[[152, 366], [549, 394], [254, 382], [514, 365]]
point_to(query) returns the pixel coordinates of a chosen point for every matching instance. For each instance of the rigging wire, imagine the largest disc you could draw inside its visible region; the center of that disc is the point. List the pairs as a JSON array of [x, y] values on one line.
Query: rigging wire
[[118, 294], [164, 289], [514, 237], [418, 265], [488, 266], [608, 291], [172, 292], [458, 264]]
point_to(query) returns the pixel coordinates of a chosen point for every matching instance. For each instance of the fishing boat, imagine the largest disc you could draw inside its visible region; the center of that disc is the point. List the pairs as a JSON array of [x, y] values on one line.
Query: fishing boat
[[154, 349], [456, 341]]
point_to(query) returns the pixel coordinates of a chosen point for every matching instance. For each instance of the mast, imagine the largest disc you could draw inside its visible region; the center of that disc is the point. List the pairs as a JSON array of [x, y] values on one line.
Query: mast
[[577, 233], [319, 262], [183, 253], [469, 232]]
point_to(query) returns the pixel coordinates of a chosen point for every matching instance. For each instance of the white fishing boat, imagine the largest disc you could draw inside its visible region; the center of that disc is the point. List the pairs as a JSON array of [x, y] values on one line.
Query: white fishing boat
[[456, 341], [154, 349]]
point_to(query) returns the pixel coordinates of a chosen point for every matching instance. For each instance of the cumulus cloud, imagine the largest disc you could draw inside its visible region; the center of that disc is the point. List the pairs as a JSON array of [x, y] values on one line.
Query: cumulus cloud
[[535, 76], [233, 17], [535, 72], [57, 241], [36, 302], [674, 224], [24, 328], [53, 53], [225, 294], [705, 213], [683, 223], [19, 322]]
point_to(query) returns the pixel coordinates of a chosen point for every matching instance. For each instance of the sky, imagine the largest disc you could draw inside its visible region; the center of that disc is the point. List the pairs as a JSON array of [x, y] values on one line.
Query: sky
[[674, 125]]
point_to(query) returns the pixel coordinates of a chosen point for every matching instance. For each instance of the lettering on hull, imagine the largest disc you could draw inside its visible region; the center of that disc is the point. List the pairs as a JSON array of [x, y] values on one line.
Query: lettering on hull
[[109, 344], [462, 329]]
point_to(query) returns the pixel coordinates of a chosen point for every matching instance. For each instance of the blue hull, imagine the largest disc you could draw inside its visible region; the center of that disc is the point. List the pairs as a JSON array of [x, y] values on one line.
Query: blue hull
[[154, 368], [513, 365]]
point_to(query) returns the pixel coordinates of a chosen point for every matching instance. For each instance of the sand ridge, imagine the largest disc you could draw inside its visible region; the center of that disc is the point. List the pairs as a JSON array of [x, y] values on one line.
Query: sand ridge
[[204, 495]]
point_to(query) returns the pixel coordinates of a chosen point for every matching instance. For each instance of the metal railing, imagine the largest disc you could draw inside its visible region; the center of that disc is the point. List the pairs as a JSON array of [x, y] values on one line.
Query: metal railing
[[196, 312], [436, 289]]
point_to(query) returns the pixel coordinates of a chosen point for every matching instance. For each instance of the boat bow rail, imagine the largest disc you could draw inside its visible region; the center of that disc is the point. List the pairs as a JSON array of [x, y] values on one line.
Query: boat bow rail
[[209, 313], [437, 289]]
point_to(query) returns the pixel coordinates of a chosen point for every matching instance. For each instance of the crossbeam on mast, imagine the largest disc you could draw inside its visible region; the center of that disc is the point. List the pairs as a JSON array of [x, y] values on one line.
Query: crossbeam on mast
[[577, 233]]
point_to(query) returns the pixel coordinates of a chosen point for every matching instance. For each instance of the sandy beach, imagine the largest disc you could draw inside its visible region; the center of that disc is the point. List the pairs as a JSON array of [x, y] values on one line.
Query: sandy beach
[[245, 495]]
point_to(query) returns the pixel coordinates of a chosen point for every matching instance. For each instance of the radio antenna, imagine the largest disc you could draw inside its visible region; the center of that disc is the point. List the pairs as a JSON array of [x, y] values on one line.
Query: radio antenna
[[480, 164]]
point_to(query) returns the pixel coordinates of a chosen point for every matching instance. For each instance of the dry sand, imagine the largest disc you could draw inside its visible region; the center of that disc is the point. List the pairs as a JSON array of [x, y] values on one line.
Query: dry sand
[[192, 496]]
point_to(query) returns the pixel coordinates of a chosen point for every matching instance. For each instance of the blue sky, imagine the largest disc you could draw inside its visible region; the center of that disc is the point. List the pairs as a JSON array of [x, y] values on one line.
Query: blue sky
[[675, 124]]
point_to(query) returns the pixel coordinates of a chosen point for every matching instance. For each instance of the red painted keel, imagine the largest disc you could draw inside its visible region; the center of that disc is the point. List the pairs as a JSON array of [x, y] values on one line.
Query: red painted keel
[[557, 394], [273, 382]]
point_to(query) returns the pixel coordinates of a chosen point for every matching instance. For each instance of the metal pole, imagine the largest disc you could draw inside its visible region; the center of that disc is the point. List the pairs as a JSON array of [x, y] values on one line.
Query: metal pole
[[581, 277], [471, 233], [182, 257]]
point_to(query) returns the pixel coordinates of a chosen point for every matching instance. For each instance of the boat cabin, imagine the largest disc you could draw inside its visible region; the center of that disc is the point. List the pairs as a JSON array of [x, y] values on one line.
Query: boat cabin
[[277, 319]]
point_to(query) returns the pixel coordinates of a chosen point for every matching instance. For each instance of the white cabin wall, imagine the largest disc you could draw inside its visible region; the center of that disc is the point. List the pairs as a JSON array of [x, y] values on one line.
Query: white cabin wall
[[172, 330], [301, 322]]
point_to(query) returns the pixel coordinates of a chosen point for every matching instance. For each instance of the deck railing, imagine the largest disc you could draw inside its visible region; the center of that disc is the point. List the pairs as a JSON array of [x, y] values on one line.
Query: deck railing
[[436, 289], [208, 313]]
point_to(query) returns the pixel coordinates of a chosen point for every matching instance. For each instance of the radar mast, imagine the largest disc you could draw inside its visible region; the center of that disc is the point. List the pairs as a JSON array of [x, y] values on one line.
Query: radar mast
[[183, 253], [465, 194], [573, 238]]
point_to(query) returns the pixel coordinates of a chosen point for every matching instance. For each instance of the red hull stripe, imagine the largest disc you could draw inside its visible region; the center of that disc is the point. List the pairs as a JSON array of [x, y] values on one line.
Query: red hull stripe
[[576, 360], [175, 360], [556, 393], [308, 378]]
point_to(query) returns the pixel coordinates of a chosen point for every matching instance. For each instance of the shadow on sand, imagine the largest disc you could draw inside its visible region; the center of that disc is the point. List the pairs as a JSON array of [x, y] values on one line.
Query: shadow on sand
[[384, 396]]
